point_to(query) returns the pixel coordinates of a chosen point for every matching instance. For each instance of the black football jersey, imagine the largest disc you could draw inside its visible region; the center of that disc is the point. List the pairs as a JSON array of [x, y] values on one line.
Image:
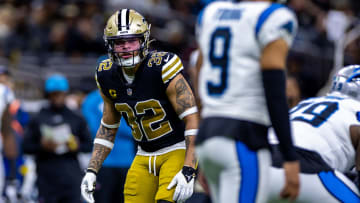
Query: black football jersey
[[144, 103]]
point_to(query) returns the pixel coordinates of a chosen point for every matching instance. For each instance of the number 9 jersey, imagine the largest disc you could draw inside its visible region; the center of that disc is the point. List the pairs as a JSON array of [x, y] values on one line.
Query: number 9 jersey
[[232, 38], [144, 103]]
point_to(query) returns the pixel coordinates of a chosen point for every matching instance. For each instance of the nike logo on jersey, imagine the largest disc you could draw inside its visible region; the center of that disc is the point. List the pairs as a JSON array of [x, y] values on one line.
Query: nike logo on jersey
[[167, 58], [289, 26]]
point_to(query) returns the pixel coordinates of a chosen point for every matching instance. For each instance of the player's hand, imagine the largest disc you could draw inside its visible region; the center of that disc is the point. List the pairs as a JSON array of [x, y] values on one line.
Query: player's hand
[[88, 187], [184, 181], [73, 143], [292, 182]]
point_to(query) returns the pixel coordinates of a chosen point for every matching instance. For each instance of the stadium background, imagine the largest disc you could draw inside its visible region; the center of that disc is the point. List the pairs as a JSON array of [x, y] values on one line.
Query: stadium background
[[39, 37]]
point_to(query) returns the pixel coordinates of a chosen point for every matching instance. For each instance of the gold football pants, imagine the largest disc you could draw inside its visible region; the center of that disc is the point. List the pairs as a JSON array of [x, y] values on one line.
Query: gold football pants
[[149, 176]]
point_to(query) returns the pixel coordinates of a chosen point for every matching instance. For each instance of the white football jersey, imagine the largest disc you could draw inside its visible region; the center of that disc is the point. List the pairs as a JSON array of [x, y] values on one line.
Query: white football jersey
[[322, 124], [231, 37]]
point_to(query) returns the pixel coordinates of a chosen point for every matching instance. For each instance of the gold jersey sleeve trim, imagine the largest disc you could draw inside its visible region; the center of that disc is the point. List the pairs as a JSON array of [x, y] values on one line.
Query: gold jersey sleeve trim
[[171, 68], [174, 60]]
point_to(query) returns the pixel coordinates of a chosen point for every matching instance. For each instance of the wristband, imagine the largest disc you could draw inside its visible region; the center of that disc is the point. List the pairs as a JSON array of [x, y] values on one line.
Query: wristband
[[111, 126], [103, 142], [89, 170], [188, 111], [191, 132]]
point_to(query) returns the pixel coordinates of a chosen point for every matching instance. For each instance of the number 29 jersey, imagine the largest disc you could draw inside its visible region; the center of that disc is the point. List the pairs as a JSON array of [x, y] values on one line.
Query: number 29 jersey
[[231, 37], [322, 124], [143, 103]]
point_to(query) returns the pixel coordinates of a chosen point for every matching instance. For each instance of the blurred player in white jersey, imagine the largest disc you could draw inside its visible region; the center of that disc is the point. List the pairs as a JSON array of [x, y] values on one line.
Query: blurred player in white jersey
[[326, 134], [243, 49]]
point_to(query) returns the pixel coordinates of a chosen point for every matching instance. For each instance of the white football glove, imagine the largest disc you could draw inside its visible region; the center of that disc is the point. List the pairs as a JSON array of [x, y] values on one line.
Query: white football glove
[[184, 181], [88, 186]]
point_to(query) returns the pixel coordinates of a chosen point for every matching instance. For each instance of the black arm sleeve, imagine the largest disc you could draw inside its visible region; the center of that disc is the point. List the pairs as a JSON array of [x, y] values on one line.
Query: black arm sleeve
[[274, 87]]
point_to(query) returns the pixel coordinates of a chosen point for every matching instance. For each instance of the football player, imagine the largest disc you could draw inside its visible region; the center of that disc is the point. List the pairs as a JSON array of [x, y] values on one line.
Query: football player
[[243, 49], [148, 89], [7, 141], [326, 133]]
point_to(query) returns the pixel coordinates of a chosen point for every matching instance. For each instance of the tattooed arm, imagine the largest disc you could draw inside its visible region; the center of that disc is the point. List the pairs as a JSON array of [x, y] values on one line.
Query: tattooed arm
[[183, 101], [105, 135]]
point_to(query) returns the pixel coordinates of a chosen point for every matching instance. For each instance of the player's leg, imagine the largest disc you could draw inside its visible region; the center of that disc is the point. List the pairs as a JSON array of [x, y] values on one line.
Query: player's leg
[[323, 187], [207, 155], [170, 164], [225, 161], [248, 172], [339, 186], [140, 185]]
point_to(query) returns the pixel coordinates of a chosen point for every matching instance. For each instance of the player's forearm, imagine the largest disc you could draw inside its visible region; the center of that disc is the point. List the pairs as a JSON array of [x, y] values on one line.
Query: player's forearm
[[190, 158], [191, 129], [103, 144], [274, 89], [184, 104]]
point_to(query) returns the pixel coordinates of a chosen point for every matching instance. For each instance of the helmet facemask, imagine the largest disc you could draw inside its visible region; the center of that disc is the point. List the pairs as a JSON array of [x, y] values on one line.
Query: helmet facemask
[[127, 52]]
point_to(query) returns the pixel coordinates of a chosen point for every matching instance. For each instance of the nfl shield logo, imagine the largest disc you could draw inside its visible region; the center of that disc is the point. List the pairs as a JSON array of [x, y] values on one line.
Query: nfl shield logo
[[129, 91]]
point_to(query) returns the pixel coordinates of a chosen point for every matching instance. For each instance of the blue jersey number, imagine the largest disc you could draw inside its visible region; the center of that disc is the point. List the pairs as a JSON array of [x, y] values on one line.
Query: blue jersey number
[[316, 114], [219, 55]]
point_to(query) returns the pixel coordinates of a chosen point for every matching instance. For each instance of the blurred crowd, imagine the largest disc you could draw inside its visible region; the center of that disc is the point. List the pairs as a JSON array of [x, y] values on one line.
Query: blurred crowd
[[39, 37], [67, 36]]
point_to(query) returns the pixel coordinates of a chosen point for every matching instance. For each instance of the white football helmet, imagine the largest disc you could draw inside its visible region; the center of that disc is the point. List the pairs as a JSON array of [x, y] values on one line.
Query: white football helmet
[[347, 81]]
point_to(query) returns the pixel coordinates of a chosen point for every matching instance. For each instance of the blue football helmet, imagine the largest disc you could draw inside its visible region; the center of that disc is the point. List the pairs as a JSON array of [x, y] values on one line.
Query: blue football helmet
[[347, 81]]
